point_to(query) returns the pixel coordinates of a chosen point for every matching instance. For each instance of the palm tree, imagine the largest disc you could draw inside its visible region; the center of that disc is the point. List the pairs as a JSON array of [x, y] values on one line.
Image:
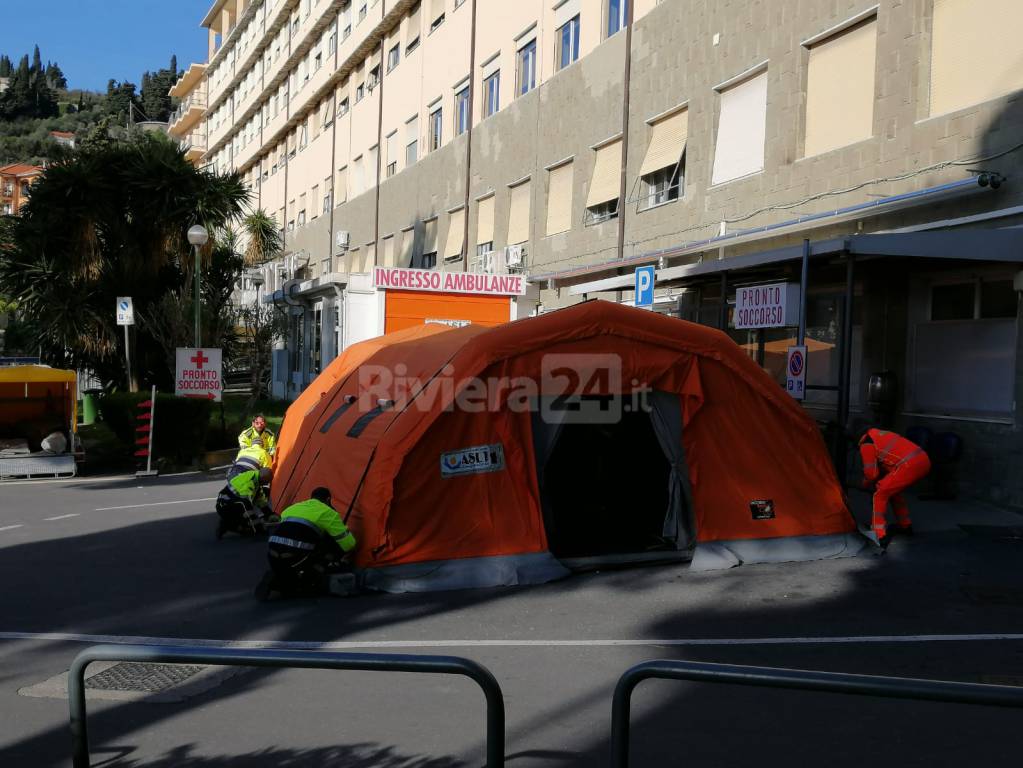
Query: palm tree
[[265, 242], [110, 221]]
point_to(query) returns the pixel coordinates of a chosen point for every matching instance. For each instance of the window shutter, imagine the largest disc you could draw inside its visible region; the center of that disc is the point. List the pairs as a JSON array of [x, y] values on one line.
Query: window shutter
[[456, 230], [412, 130], [392, 148], [369, 256], [388, 256], [485, 221], [742, 129], [436, 10], [974, 52], [342, 184], [559, 199], [408, 238], [415, 25], [667, 142], [518, 214], [840, 89], [566, 12], [607, 174], [430, 236]]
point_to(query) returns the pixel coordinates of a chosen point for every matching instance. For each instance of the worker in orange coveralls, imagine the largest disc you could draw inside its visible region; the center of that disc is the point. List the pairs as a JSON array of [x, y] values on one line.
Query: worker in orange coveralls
[[891, 464]]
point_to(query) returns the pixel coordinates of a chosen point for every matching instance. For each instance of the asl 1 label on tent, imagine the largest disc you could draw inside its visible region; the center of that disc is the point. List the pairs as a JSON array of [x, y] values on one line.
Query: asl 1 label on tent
[[472, 461], [762, 509]]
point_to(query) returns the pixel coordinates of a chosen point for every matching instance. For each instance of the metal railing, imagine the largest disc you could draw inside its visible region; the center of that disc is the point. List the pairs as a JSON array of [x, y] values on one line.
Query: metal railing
[[442, 665], [797, 679]]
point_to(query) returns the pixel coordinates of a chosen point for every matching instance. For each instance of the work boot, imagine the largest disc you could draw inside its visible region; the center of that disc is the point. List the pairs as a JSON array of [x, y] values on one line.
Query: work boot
[[884, 541]]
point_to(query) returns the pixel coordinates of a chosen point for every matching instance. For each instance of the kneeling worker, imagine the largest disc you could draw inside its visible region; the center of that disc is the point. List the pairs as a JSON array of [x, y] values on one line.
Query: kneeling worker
[[242, 505], [891, 464], [309, 544], [255, 457]]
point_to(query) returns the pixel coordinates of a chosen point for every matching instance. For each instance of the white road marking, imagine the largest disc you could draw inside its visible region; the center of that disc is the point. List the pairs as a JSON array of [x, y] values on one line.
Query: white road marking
[[100, 479], [155, 504], [12, 527], [62, 517], [341, 645]]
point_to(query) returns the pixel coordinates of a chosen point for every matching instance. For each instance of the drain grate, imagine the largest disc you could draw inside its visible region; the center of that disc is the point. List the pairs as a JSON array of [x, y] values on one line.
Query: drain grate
[[141, 677]]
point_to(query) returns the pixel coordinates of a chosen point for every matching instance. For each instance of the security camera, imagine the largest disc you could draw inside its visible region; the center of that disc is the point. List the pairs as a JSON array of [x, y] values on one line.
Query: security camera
[[983, 180]]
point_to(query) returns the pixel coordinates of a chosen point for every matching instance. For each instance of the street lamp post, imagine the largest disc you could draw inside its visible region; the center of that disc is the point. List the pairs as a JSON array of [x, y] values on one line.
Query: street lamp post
[[256, 359], [197, 236]]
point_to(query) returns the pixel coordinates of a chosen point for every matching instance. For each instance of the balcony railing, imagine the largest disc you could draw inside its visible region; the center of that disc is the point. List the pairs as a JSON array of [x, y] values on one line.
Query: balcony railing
[[194, 100]]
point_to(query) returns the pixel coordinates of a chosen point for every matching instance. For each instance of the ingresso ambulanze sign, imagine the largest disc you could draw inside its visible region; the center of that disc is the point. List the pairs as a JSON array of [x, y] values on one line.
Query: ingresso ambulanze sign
[[448, 282], [766, 306]]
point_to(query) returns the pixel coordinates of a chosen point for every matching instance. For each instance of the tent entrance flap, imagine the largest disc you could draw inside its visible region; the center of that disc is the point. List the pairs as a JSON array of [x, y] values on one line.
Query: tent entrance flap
[[606, 489]]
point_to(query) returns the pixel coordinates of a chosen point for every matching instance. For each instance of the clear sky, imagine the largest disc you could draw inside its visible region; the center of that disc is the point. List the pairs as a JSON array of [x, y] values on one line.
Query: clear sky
[[95, 40]]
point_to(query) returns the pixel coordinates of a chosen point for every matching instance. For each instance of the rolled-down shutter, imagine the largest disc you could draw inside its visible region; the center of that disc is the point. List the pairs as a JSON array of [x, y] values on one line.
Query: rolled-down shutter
[[840, 89], [667, 142], [742, 130], [518, 214], [559, 199], [607, 173], [408, 238], [456, 230], [388, 254], [485, 221], [430, 236]]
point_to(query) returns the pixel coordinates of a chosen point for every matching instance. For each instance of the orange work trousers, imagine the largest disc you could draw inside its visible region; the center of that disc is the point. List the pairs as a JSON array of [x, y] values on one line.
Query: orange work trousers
[[890, 488]]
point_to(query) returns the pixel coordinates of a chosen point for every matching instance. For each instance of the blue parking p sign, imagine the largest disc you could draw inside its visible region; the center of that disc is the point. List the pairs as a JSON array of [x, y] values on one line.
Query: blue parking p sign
[[644, 286]]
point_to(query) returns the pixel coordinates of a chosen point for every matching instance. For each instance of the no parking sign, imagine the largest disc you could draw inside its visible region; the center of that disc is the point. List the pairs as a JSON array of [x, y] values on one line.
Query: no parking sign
[[795, 372]]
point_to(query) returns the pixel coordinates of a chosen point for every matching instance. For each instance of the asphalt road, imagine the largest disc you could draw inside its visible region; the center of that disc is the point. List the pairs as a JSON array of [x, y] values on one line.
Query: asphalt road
[[116, 559]]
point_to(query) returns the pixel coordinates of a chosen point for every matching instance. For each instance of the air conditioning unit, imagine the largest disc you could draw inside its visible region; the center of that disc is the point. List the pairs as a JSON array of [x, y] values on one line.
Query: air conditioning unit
[[342, 238], [515, 257]]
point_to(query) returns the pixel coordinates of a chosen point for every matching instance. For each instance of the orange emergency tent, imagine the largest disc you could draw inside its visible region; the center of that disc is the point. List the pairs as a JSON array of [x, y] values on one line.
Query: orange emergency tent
[[462, 457]]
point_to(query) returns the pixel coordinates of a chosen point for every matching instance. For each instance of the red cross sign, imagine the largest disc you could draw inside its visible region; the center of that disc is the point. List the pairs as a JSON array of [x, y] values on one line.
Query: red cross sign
[[198, 374]]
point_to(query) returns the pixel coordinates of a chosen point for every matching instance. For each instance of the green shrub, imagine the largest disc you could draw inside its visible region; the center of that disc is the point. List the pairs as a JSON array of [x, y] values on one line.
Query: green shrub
[[180, 430]]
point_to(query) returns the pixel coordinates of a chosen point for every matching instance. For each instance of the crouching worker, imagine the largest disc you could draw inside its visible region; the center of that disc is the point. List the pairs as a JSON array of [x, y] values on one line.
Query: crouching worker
[[251, 458], [891, 464], [306, 549], [242, 505]]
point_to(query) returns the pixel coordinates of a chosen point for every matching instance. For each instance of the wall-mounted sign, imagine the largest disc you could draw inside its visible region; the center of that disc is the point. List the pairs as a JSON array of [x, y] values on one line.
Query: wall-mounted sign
[[766, 306], [448, 282], [795, 372]]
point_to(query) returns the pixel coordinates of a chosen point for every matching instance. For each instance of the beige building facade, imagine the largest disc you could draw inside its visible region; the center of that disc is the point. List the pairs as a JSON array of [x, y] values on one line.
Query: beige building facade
[[488, 136]]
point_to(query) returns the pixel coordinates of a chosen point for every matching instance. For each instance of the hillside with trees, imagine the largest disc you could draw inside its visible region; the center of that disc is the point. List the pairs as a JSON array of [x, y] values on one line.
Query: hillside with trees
[[37, 101]]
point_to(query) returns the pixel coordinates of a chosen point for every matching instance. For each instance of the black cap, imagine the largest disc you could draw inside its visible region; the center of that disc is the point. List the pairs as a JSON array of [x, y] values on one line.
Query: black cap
[[322, 494]]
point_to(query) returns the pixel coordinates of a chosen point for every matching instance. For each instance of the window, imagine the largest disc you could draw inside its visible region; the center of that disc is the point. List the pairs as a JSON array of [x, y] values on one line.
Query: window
[[342, 107], [567, 41], [462, 111], [973, 300], [436, 129], [492, 93], [360, 91], [617, 15], [429, 257], [303, 139], [485, 225], [968, 327], [328, 195], [413, 44], [342, 184], [411, 141], [526, 68], [840, 89], [313, 199], [663, 170], [362, 13], [559, 199], [436, 14], [605, 186], [742, 127], [392, 57], [374, 77], [662, 186], [327, 113], [966, 65], [332, 44], [392, 154], [456, 235], [317, 62], [519, 212]]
